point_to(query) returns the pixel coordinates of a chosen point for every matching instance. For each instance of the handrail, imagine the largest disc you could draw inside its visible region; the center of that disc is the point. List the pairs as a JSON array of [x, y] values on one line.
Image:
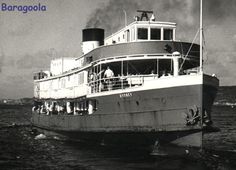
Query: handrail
[[119, 82]]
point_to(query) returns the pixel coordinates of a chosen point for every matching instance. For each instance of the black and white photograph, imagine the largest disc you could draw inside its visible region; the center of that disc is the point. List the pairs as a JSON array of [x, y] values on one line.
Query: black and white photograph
[[117, 84]]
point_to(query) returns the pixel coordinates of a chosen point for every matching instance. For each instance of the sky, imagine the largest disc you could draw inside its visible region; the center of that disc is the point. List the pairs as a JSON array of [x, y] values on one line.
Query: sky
[[28, 41]]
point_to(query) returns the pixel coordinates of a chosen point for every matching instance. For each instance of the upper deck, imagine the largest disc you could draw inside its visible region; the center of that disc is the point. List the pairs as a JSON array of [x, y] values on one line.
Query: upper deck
[[144, 48], [144, 31], [145, 36], [144, 28]]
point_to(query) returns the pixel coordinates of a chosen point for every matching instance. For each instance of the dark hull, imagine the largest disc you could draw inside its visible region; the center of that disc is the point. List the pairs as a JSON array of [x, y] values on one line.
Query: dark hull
[[140, 139], [152, 115], [210, 89]]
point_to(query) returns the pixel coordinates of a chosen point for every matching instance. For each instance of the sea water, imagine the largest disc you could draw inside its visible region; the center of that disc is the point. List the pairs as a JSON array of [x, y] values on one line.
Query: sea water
[[20, 149]]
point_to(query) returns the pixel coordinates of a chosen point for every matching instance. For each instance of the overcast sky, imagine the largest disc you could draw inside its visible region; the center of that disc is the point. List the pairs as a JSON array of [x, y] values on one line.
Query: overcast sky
[[29, 41]]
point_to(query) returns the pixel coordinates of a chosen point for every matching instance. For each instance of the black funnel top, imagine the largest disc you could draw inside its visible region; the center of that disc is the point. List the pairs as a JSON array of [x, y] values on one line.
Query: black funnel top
[[93, 34]]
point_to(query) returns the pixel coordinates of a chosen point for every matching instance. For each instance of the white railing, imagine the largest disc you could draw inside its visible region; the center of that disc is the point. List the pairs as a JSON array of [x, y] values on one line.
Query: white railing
[[119, 82], [97, 85]]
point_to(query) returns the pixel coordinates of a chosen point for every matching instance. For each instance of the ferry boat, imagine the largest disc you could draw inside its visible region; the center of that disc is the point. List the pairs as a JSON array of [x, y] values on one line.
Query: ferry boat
[[137, 86]]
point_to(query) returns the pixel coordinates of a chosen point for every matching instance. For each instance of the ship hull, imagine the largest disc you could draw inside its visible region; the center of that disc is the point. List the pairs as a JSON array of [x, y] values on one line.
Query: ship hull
[[184, 138], [167, 115]]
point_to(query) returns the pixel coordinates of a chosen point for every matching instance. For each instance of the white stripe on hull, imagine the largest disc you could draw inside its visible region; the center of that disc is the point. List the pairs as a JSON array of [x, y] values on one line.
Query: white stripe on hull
[[159, 83]]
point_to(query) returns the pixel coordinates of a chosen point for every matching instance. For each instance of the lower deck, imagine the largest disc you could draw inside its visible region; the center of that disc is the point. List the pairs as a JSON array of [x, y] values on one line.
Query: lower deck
[[150, 110], [180, 108]]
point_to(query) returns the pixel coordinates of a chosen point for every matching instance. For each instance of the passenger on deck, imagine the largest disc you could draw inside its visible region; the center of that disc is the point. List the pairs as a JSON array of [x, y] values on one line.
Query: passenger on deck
[[92, 79], [48, 109], [60, 110], [35, 108], [109, 74], [153, 74], [43, 109], [163, 74], [92, 76], [96, 81]]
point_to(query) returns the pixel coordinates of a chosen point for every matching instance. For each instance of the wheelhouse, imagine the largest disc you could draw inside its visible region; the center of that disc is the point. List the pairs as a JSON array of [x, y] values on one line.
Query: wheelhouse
[[144, 31], [144, 28]]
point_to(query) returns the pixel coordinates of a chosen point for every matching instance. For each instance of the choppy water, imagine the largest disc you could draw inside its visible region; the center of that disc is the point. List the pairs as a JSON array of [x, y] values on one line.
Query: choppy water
[[20, 150]]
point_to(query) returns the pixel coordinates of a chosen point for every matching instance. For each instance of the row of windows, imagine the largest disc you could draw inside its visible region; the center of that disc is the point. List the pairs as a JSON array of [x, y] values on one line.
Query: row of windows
[[143, 33], [64, 82], [155, 34], [56, 63]]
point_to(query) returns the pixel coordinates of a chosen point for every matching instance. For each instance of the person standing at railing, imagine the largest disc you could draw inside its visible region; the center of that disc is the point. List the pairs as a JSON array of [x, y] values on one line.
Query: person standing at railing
[[93, 78], [100, 81], [153, 75], [109, 74]]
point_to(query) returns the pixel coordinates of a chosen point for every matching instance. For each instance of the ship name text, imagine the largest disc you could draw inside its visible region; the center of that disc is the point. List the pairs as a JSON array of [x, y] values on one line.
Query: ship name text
[[125, 95]]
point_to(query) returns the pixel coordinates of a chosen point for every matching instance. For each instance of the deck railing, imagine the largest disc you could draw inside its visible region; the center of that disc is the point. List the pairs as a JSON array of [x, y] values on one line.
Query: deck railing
[[119, 82]]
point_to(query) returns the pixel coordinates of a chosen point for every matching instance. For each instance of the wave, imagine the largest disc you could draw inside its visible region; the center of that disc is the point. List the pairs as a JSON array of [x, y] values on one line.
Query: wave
[[13, 125], [223, 103]]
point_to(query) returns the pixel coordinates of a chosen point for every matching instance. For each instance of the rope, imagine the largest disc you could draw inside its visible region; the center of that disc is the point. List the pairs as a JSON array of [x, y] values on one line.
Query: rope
[[188, 50], [204, 42]]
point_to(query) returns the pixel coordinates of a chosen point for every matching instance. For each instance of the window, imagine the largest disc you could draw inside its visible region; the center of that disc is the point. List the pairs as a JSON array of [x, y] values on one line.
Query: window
[[165, 67], [132, 34], [143, 33], [168, 34], [136, 67], [155, 34], [81, 78], [128, 35], [63, 83], [55, 84]]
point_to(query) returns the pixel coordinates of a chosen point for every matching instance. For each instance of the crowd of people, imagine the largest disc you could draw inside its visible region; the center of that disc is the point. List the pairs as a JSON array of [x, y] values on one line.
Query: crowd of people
[[55, 108]]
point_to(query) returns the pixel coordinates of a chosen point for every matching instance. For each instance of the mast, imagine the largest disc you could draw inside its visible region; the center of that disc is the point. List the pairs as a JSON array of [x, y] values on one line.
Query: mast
[[201, 70], [125, 17], [201, 35]]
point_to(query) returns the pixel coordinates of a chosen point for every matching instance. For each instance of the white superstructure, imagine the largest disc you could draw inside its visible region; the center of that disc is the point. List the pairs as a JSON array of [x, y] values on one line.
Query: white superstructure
[[61, 65]]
